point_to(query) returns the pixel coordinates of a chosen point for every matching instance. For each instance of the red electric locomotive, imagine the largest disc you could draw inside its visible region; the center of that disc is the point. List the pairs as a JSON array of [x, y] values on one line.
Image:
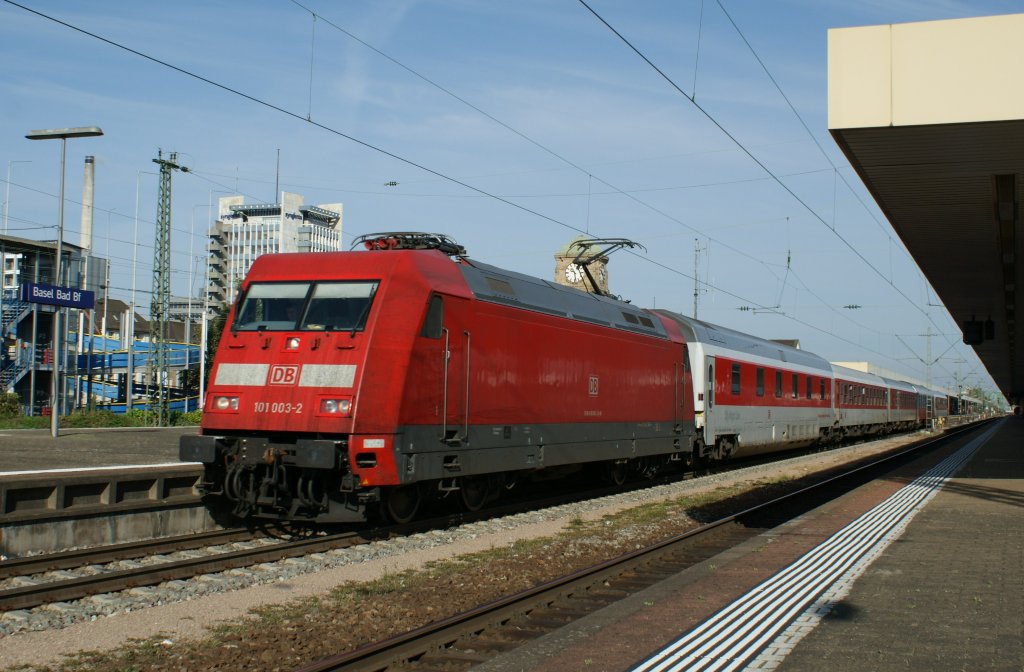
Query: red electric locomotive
[[350, 382]]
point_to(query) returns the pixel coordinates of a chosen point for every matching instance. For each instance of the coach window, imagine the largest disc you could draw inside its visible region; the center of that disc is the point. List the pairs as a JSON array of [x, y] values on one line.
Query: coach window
[[433, 320], [796, 386], [778, 384], [810, 386], [821, 388], [735, 378], [760, 382]]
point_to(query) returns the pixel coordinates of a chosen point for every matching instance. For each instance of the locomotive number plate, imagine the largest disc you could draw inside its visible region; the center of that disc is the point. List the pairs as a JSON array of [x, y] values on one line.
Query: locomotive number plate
[[277, 407]]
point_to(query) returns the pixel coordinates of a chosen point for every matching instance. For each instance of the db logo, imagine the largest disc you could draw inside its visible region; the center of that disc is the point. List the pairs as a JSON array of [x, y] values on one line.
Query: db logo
[[284, 375], [592, 386]]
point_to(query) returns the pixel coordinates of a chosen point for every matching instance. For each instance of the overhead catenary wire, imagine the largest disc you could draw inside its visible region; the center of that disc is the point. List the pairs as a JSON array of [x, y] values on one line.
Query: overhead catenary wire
[[527, 138], [821, 149], [753, 157], [373, 147]]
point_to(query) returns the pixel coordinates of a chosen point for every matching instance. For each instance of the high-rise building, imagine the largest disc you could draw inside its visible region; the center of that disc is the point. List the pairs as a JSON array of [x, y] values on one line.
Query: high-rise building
[[244, 232]]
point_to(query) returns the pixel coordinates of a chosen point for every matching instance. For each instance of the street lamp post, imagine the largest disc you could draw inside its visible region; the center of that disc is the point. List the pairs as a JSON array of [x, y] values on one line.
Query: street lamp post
[[58, 342]]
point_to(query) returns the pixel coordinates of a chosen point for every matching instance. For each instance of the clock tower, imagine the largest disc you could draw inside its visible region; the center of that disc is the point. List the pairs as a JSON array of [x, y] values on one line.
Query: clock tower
[[572, 275]]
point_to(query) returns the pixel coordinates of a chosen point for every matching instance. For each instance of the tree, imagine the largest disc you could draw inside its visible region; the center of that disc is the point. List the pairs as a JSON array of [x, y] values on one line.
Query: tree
[[189, 378], [10, 405], [213, 334]]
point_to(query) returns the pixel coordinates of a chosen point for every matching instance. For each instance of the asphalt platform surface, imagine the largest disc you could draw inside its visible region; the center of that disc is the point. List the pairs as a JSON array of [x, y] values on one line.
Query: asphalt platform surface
[[34, 449], [946, 594]]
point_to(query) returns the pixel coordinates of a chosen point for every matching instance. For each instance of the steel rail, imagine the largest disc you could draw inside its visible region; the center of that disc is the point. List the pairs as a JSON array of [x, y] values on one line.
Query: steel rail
[[29, 596], [431, 642], [37, 564]]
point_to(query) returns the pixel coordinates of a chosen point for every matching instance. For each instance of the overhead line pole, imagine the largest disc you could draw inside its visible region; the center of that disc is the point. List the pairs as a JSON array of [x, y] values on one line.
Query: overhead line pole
[[160, 306]]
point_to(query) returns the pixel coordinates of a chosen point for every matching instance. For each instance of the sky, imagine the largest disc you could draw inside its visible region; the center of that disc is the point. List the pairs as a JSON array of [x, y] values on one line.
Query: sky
[[512, 127]]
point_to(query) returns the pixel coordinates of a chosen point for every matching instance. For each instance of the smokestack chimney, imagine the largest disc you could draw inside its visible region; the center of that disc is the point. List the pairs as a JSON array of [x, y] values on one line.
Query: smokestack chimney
[[88, 195]]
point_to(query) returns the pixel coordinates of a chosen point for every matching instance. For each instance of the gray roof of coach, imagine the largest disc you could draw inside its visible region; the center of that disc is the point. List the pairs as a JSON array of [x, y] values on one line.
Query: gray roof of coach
[[857, 375], [498, 285], [723, 337], [898, 384]]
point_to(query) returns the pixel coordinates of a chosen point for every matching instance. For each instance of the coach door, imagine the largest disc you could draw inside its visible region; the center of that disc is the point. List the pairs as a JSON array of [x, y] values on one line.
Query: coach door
[[709, 402]]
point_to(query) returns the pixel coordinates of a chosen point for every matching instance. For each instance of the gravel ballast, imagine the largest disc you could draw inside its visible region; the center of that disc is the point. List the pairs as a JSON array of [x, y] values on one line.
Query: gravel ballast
[[309, 621]]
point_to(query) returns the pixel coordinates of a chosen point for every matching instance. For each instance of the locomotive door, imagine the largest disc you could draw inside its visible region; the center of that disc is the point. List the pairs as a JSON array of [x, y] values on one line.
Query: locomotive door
[[683, 397], [455, 339]]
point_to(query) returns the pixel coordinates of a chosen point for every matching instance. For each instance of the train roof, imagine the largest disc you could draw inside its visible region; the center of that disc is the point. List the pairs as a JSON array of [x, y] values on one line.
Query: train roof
[[897, 384], [497, 285], [698, 331], [857, 376]]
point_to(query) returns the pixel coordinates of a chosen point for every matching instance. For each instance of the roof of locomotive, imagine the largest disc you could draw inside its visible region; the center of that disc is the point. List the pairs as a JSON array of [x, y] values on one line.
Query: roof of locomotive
[[484, 282], [432, 268], [698, 331], [498, 285]]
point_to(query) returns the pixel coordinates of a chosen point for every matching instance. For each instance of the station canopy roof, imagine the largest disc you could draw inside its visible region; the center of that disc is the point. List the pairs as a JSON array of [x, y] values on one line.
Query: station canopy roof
[[931, 116]]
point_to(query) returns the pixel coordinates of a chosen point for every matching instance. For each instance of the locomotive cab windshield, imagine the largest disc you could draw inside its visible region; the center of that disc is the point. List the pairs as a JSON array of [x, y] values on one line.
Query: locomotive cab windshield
[[304, 306]]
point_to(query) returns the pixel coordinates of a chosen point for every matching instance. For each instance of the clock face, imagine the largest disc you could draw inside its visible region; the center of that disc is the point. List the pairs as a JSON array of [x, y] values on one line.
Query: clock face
[[573, 273]]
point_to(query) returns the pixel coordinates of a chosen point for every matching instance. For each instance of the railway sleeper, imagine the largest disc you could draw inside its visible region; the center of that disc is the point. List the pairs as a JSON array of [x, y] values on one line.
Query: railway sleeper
[[486, 645]]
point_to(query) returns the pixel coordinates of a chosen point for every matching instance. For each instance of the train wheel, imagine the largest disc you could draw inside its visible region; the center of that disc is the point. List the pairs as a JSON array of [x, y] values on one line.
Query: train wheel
[[402, 503], [616, 472], [474, 493]]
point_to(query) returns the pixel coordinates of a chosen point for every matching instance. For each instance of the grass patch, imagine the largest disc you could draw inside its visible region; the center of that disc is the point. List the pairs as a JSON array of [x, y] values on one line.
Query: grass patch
[[354, 612]]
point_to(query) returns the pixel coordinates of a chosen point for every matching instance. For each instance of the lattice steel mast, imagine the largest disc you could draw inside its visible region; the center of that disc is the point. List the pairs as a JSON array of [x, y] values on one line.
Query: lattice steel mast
[[161, 303]]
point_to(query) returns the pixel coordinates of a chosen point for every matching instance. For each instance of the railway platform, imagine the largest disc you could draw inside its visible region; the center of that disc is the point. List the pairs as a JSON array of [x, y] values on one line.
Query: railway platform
[[920, 571], [35, 449]]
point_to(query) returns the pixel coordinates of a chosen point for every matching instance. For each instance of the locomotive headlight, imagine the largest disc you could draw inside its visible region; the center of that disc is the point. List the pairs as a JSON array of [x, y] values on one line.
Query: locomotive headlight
[[336, 406], [224, 403], [292, 343]]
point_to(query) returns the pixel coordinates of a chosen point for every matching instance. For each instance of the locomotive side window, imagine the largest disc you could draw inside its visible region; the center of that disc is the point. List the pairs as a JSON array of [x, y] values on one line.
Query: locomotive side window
[[735, 378], [434, 319], [271, 306], [341, 306]]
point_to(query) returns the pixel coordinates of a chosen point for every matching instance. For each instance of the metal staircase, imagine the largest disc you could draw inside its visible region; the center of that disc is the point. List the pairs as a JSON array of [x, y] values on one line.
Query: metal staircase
[[12, 311]]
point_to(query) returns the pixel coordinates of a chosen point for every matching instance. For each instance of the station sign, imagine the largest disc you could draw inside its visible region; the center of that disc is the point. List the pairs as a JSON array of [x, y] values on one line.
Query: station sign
[[53, 295]]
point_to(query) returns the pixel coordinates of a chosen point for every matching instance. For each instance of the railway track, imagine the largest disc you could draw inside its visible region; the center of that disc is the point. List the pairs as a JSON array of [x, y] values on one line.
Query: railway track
[[45, 579], [475, 636]]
